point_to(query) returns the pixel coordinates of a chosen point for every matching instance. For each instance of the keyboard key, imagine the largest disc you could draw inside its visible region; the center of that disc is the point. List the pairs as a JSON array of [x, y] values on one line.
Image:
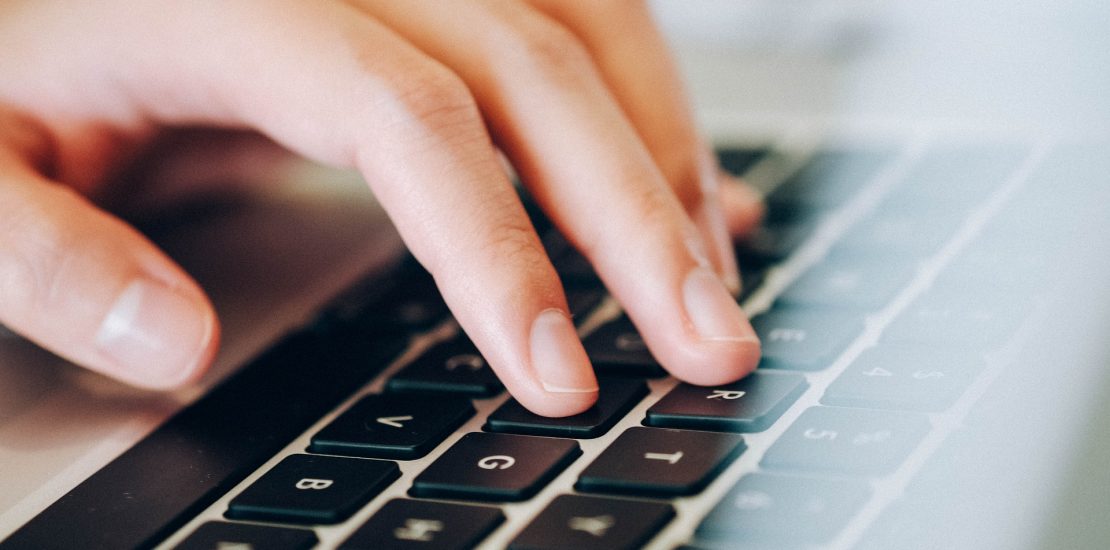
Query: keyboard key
[[752, 275], [660, 463], [784, 509], [737, 160], [217, 535], [573, 268], [412, 303], [750, 405], [313, 489], [956, 175], [451, 367], [617, 348], [904, 378], [830, 178], [918, 234], [906, 528], [792, 213], [582, 301], [837, 283], [772, 241], [495, 467], [616, 398], [392, 426], [851, 441], [981, 321], [588, 523], [984, 268], [414, 524], [804, 340]]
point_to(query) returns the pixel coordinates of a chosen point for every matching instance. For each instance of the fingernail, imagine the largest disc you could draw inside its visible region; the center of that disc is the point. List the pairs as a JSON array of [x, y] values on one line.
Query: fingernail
[[558, 358], [713, 219], [156, 337], [712, 310]]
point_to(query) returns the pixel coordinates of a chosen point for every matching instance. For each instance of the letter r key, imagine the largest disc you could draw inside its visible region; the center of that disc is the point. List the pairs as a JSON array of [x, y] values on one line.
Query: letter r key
[[726, 394]]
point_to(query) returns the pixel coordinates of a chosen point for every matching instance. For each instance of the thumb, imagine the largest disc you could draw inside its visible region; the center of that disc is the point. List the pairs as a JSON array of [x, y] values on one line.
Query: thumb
[[90, 288]]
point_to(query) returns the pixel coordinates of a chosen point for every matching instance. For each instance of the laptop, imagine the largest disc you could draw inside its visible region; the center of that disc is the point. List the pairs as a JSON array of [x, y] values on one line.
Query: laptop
[[928, 285]]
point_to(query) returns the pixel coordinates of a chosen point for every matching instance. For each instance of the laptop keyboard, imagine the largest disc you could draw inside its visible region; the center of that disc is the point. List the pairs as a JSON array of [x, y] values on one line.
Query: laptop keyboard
[[880, 282]]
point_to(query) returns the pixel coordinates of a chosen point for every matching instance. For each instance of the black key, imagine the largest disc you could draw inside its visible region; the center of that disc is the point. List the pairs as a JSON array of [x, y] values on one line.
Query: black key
[[804, 340], [792, 213], [851, 441], [393, 426], [750, 405], [772, 242], [417, 304], [413, 302], [904, 378], [752, 275], [784, 509], [616, 398], [573, 268], [737, 160], [830, 178], [587, 523], [660, 463], [451, 367], [313, 489], [212, 445], [495, 467], [837, 283], [617, 348], [217, 535], [582, 301], [417, 524]]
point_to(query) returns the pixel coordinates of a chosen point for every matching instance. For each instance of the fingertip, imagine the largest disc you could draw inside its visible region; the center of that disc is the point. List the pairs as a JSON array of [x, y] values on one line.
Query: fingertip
[[567, 384], [558, 405], [714, 363], [158, 337], [715, 343], [743, 205]]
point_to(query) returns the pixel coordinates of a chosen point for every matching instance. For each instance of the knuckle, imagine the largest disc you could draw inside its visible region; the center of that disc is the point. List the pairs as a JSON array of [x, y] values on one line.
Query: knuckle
[[654, 206], [436, 98], [651, 208], [515, 242], [683, 173], [34, 262]]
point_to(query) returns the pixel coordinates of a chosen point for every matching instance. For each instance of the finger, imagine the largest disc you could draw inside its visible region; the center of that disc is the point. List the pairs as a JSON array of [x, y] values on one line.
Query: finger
[[328, 82], [413, 129], [86, 286], [637, 66], [588, 169], [742, 204]]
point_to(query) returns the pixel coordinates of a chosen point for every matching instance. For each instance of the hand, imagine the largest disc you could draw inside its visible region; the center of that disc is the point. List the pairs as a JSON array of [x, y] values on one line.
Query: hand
[[418, 96]]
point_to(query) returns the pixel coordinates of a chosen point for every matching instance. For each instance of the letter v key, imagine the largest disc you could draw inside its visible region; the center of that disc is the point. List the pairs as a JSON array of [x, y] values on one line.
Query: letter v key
[[394, 421]]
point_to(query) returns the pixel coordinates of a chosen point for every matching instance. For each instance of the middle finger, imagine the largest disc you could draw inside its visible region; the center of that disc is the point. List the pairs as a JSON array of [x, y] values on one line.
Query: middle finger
[[550, 111]]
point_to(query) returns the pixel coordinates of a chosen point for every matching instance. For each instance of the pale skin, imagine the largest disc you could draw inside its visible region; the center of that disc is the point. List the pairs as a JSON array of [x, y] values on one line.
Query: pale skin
[[419, 96]]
